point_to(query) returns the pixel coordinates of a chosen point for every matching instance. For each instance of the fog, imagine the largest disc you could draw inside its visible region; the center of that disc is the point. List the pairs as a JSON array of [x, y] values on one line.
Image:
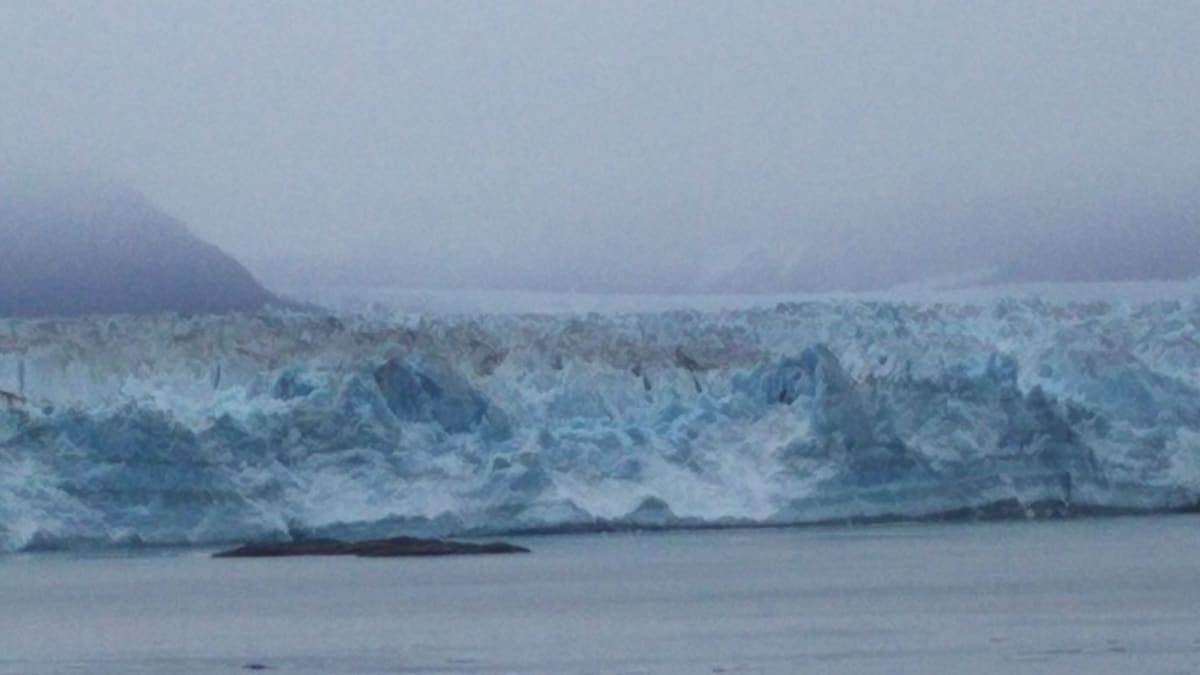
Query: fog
[[634, 147]]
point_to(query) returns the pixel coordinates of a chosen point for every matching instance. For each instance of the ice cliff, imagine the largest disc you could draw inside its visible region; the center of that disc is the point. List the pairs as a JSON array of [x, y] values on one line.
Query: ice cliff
[[167, 429]]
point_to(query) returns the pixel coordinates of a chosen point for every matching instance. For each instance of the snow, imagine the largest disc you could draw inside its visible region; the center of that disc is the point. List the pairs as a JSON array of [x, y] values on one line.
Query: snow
[[384, 418]]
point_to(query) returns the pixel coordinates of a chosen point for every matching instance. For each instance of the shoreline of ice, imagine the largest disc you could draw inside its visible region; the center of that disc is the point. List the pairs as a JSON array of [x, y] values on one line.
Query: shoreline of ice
[[397, 419]]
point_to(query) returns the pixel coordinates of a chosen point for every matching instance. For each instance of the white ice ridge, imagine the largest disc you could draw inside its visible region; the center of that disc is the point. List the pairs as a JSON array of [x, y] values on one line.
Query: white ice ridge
[[171, 430]]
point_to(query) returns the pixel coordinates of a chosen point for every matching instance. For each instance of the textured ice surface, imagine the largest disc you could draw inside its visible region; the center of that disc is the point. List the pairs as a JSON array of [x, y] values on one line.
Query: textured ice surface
[[169, 429]]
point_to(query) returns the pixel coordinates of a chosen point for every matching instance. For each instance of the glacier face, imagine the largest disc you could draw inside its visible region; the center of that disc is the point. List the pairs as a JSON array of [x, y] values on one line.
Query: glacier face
[[208, 429]]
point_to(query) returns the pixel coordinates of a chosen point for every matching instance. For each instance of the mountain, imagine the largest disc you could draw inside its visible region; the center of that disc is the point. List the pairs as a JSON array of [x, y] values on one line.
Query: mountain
[[70, 249], [1024, 239]]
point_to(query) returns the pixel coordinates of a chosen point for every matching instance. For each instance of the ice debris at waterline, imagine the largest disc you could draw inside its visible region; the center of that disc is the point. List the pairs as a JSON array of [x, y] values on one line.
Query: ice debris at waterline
[[271, 426]]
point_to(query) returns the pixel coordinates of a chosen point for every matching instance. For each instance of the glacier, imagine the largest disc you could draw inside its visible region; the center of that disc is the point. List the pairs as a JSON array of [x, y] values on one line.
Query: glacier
[[205, 429]]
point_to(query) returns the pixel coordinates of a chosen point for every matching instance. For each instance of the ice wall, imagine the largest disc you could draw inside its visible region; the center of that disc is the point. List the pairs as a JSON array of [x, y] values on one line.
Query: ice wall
[[167, 429]]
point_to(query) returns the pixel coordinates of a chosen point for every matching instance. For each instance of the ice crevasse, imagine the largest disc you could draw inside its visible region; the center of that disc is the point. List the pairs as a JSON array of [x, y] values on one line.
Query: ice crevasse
[[210, 429]]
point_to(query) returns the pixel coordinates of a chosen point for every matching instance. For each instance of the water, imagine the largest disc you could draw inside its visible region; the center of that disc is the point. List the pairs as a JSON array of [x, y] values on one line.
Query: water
[[1101, 596]]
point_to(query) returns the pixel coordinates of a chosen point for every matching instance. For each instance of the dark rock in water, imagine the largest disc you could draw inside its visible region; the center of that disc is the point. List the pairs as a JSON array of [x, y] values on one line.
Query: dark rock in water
[[88, 248], [371, 548]]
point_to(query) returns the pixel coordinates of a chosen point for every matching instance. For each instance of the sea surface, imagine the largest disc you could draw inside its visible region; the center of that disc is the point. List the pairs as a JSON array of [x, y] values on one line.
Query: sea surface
[[1086, 596]]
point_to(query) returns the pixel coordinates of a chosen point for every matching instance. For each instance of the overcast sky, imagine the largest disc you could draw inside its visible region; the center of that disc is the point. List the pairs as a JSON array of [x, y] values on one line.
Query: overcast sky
[[632, 146]]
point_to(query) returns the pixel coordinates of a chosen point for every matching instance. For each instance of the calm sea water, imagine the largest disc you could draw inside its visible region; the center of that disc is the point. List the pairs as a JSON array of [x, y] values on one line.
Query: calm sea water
[[1100, 596]]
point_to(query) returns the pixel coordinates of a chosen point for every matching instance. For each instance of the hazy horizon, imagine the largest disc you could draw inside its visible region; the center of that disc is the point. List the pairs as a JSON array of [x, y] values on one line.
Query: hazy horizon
[[631, 147]]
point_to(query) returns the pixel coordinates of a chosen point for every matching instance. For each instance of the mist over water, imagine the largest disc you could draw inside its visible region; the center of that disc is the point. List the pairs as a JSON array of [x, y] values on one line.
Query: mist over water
[[665, 147]]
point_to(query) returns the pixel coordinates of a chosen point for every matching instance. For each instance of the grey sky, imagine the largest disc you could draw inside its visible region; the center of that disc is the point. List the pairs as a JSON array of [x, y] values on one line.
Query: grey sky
[[630, 146]]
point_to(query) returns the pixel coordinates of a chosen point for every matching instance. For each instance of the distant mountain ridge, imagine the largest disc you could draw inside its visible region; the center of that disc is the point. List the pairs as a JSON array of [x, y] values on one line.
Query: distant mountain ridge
[[72, 250]]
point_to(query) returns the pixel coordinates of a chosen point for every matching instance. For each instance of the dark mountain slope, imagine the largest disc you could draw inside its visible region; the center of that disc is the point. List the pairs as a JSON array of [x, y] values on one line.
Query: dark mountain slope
[[69, 251]]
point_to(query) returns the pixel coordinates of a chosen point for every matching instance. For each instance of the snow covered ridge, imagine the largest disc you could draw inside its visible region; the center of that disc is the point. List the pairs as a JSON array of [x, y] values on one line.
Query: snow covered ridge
[[171, 430]]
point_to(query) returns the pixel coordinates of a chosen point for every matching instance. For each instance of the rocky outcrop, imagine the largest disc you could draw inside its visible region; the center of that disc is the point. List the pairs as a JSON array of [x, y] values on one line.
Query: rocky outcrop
[[396, 547]]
